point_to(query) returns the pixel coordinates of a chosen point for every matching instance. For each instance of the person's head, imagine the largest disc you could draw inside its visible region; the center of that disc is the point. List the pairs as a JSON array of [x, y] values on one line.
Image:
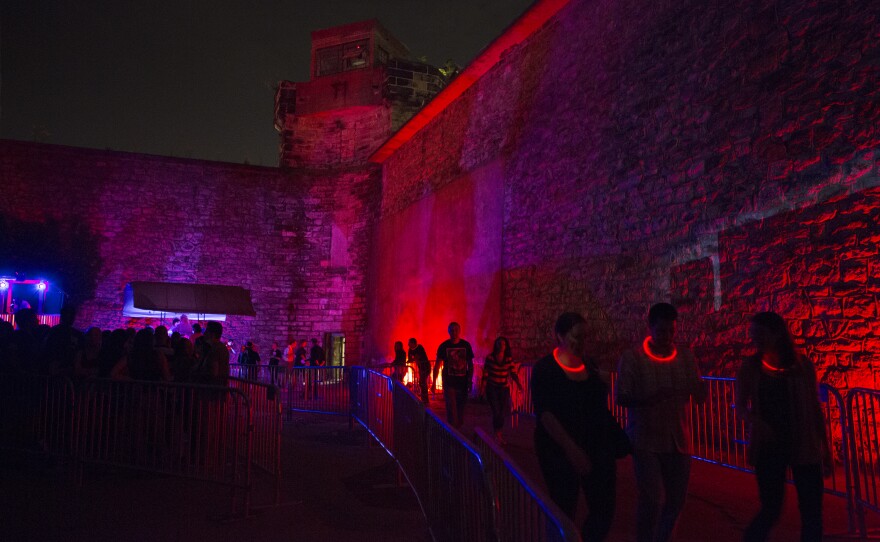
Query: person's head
[[314, 342], [68, 315], [184, 319], [769, 333], [143, 341], [454, 330], [161, 337], [184, 348], [398, 346], [501, 348], [571, 332], [412, 342], [661, 324], [214, 330], [26, 320], [175, 321], [249, 345], [93, 337], [304, 343], [197, 328]]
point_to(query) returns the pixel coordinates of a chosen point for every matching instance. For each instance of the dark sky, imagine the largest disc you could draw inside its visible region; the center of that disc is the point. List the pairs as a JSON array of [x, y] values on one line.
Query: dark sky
[[194, 78]]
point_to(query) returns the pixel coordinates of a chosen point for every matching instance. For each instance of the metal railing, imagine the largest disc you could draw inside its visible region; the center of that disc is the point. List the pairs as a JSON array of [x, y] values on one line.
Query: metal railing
[[36, 413], [267, 426], [522, 514], [863, 411], [191, 431]]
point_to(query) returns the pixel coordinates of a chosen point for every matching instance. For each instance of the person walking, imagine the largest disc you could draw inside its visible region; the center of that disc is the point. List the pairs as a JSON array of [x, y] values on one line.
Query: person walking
[[656, 381], [776, 391], [497, 370], [457, 358], [418, 357], [577, 439]]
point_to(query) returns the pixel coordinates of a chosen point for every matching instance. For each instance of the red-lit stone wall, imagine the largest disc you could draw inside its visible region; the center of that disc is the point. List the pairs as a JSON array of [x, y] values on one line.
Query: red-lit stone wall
[[297, 240], [718, 155]]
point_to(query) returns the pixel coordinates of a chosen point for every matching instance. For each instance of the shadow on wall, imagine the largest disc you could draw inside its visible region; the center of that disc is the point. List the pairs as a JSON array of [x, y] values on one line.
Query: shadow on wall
[[65, 252]]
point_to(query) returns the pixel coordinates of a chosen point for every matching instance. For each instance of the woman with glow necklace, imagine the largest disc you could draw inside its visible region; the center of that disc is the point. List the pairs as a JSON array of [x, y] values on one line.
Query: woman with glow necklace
[[776, 392], [576, 438], [656, 380]]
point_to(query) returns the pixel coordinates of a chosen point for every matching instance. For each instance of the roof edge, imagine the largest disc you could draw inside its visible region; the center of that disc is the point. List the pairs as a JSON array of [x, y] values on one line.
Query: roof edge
[[518, 31]]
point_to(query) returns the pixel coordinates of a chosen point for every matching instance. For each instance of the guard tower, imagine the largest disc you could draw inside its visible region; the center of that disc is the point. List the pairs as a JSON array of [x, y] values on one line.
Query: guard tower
[[362, 87]]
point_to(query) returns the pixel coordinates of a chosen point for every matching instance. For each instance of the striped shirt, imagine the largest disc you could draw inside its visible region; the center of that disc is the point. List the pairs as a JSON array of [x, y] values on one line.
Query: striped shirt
[[495, 372]]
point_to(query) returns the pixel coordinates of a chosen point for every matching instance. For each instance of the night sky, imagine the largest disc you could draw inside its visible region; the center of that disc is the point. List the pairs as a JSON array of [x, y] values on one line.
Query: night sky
[[194, 78]]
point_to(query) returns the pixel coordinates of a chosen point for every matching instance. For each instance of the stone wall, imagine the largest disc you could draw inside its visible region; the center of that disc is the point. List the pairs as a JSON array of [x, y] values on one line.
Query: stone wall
[[298, 240], [678, 151]]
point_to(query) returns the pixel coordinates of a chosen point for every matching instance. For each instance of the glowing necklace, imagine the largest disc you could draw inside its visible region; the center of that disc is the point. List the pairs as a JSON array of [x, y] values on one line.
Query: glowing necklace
[[646, 346], [566, 368], [772, 369]]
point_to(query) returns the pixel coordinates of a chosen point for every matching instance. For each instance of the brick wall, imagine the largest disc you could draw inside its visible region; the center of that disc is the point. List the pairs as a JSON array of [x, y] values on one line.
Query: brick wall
[[678, 151], [165, 219]]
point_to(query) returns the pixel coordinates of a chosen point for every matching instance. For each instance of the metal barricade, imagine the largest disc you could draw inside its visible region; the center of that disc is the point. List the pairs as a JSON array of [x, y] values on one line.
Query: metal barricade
[[718, 432], [373, 404], [191, 431], [265, 402], [459, 502], [863, 411], [36, 413], [316, 389], [522, 514], [409, 440]]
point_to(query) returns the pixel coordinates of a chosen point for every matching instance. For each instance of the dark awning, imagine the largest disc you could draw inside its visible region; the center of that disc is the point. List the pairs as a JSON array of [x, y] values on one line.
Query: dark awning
[[173, 297]]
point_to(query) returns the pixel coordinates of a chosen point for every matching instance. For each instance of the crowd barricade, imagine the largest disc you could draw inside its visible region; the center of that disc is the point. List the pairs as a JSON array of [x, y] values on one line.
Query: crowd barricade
[[409, 438], [863, 412], [522, 515], [315, 389], [191, 431], [36, 413], [459, 502], [373, 404], [267, 420], [718, 432]]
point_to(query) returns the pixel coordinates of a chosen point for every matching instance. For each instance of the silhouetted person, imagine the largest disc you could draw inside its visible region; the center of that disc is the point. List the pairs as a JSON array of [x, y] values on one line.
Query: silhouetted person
[[62, 343], [419, 358], [776, 391], [316, 355], [655, 383], [398, 366], [457, 358], [576, 436]]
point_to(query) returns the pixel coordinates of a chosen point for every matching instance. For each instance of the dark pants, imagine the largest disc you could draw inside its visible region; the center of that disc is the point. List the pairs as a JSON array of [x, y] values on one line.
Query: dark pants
[[662, 481], [424, 375], [498, 397], [456, 399], [770, 473], [599, 489]]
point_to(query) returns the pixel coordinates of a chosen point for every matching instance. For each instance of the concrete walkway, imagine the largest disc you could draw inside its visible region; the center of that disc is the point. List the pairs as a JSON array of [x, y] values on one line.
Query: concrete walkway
[[337, 486]]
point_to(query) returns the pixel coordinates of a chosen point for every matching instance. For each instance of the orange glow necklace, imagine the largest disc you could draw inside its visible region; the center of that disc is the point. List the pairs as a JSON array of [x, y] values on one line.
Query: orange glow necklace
[[646, 346], [579, 369]]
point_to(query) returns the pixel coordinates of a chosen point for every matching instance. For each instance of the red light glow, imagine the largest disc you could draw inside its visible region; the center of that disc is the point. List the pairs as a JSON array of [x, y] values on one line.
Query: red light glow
[[571, 370]]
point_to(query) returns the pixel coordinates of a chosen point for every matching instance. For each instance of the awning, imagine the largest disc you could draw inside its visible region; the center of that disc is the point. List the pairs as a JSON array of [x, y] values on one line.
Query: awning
[[208, 301]]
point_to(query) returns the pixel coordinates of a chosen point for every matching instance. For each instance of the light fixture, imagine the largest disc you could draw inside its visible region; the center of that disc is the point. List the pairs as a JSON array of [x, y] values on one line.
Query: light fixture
[[41, 286], [4, 285]]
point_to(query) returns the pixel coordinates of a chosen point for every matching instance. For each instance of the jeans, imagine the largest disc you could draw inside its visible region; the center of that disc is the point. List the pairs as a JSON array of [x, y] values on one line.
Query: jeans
[[498, 397], [424, 375], [599, 488], [456, 399], [662, 480], [770, 474]]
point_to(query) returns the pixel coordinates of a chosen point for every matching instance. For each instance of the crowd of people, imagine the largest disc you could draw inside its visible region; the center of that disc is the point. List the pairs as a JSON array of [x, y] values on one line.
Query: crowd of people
[[577, 439]]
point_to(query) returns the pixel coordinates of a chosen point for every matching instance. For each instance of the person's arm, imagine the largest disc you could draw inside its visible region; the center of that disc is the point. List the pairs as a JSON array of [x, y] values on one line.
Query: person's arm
[[514, 374], [698, 389], [742, 391], [575, 455]]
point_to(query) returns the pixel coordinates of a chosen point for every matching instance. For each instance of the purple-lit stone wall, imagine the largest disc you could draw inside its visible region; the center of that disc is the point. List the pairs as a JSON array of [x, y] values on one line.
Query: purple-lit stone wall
[[683, 151], [298, 241]]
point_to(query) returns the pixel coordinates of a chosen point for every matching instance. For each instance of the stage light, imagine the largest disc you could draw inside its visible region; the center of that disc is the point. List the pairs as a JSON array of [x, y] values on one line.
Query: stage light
[[41, 286], [4, 285]]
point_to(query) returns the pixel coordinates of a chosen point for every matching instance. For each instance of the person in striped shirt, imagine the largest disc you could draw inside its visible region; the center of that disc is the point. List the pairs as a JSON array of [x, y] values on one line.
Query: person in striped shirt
[[498, 368]]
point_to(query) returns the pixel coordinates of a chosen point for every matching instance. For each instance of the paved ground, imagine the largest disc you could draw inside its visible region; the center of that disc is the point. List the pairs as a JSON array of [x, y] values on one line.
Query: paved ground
[[337, 486]]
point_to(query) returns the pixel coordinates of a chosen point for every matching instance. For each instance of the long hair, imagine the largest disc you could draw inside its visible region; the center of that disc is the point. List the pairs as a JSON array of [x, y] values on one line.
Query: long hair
[[497, 343], [784, 345]]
